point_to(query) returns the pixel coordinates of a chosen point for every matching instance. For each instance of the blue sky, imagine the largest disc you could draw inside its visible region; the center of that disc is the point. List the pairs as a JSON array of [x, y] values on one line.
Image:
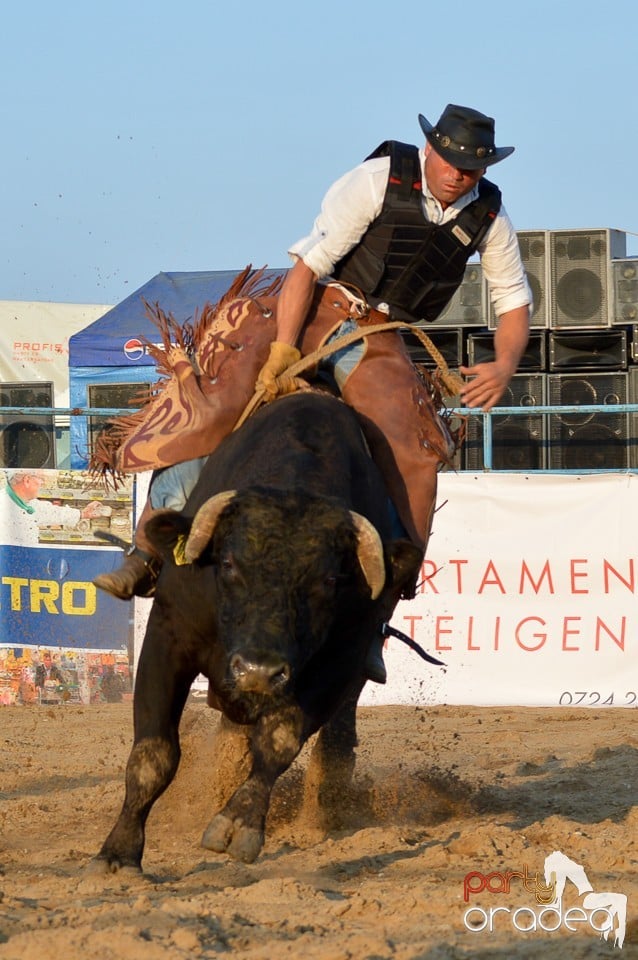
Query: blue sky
[[145, 136]]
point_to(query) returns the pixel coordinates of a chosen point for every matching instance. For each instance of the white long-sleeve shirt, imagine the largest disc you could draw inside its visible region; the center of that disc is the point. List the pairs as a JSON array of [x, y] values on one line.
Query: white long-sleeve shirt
[[18, 527], [356, 199]]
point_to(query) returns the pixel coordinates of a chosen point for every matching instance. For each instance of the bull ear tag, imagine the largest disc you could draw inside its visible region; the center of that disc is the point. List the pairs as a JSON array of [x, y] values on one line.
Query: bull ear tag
[[179, 551]]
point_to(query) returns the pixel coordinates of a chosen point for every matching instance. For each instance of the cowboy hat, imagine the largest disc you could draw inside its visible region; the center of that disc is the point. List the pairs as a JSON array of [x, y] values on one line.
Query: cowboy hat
[[464, 138]]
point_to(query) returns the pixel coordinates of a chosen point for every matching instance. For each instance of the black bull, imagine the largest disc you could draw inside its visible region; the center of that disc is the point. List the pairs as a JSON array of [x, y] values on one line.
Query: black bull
[[273, 591]]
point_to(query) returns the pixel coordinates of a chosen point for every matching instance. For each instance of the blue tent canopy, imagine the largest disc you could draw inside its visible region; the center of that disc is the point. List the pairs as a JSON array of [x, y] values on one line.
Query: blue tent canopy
[[111, 350], [114, 340]]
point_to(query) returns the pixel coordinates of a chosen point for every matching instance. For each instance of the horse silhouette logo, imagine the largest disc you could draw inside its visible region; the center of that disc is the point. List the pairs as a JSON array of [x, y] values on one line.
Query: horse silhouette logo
[[559, 869]]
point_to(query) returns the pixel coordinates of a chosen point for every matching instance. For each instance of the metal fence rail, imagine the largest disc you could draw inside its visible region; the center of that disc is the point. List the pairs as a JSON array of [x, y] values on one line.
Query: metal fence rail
[[487, 418], [544, 409]]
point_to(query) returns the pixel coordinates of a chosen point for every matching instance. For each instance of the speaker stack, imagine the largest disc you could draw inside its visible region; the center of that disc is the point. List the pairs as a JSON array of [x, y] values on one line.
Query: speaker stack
[[625, 282], [592, 441], [480, 349], [588, 353], [626, 312], [534, 247], [517, 440], [625, 286], [583, 350], [27, 441], [633, 419], [588, 350], [580, 276], [449, 343], [467, 308]]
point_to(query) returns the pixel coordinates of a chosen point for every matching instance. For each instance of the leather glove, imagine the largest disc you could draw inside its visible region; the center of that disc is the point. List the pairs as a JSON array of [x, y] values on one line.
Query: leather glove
[[282, 356]]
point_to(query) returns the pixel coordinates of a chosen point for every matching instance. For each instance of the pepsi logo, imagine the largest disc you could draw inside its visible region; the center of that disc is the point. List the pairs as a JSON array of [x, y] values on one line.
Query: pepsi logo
[[133, 349]]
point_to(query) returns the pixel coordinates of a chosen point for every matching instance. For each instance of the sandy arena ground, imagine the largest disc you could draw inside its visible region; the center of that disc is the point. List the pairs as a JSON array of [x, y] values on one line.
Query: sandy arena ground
[[439, 793]]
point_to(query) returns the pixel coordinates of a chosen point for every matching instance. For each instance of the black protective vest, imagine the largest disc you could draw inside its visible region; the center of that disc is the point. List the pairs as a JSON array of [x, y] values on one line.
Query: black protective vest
[[405, 260]]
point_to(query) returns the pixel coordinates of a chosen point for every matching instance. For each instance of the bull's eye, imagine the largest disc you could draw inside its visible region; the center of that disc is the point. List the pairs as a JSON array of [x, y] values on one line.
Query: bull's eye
[[226, 565], [332, 581]]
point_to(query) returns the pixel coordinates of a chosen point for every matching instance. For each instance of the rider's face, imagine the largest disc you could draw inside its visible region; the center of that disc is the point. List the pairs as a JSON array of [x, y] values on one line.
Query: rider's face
[[448, 183]]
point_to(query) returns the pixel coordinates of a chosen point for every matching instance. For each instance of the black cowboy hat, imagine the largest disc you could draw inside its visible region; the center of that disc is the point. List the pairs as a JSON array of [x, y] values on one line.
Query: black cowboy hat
[[464, 138]]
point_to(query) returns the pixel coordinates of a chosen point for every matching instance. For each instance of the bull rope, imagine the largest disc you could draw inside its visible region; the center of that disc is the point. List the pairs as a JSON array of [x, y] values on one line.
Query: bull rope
[[290, 378]]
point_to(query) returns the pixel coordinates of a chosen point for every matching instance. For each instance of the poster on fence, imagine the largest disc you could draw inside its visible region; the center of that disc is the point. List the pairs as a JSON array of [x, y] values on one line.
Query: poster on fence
[[61, 639], [528, 595]]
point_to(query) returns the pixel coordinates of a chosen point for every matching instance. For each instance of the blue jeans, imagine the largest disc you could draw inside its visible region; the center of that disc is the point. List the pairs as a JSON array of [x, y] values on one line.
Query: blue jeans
[[172, 486]]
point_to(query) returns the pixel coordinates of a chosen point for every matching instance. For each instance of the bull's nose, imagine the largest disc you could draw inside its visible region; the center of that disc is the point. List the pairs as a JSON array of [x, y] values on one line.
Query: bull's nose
[[259, 676]]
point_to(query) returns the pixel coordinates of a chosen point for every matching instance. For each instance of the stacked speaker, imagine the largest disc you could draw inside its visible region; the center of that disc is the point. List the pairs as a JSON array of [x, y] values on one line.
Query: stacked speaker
[[26, 440], [583, 350]]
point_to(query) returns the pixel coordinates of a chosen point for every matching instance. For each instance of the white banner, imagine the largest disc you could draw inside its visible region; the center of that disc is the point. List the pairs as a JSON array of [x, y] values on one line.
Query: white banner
[[34, 341], [528, 595]]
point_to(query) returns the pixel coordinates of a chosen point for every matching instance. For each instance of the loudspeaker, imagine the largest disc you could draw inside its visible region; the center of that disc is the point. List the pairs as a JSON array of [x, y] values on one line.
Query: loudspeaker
[[517, 440], [633, 419], [480, 349], [448, 342], [588, 441], [467, 308], [594, 350], [27, 441], [534, 247], [580, 269], [625, 287], [113, 396]]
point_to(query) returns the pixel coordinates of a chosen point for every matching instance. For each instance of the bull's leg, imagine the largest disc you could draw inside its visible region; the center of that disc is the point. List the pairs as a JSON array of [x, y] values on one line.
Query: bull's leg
[[151, 767], [232, 760], [238, 829], [331, 763], [160, 695]]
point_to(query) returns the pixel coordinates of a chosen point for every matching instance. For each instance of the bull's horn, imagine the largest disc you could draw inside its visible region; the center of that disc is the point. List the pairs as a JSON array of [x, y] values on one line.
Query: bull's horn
[[204, 524], [369, 553]]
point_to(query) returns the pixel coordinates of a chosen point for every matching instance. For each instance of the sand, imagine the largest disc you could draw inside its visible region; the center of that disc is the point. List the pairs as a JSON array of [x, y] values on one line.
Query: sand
[[439, 793]]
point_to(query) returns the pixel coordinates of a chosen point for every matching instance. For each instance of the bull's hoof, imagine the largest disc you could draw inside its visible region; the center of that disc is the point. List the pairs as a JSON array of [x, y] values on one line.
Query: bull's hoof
[[246, 845], [218, 834], [238, 841], [105, 865]]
